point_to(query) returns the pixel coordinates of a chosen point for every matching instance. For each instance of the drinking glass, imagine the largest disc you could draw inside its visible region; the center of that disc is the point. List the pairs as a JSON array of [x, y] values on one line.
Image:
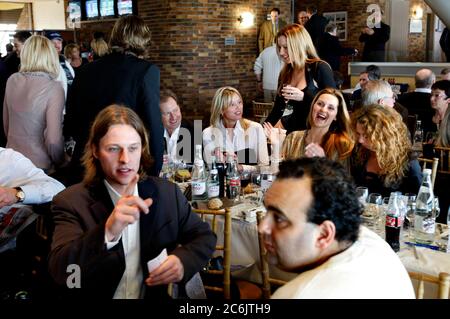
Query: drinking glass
[[288, 109], [436, 207], [372, 211], [362, 193]]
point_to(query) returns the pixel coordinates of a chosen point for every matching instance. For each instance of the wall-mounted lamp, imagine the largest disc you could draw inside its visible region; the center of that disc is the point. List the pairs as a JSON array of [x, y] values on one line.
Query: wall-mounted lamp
[[418, 13], [246, 19]]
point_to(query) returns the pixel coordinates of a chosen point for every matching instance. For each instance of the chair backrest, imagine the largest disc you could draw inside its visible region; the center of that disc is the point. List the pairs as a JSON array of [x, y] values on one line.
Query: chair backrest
[[444, 159], [434, 167], [443, 282], [261, 110], [266, 280], [212, 217]]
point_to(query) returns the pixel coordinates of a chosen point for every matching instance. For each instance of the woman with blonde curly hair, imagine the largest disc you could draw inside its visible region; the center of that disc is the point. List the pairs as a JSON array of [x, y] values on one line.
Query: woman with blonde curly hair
[[302, 76], [328, 131], [382, 160], [230, 134]]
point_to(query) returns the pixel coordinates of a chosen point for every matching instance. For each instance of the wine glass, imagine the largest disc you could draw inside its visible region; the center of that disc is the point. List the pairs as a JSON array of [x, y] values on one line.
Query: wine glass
[[362, 193], [288, 109], [372, 210]]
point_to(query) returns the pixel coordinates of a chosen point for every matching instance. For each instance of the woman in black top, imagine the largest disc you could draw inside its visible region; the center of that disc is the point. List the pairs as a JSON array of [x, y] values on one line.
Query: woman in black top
[[382, 160], [302, 76]]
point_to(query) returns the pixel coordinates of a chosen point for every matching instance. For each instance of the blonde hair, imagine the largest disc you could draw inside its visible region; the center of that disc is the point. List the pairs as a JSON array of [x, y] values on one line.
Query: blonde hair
[[100, 47], [109, 116], [69, 48], [221, 101], [130, 33], [338, 142], [388, 136], [300, 47], [39, 55]]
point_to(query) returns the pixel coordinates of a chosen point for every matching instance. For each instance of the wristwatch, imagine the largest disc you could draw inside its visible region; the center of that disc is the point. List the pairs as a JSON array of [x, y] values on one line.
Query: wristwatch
[[20, 195]]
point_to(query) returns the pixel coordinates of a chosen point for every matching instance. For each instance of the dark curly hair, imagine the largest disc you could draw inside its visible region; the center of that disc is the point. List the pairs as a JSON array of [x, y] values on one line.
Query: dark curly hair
[[334, 194]]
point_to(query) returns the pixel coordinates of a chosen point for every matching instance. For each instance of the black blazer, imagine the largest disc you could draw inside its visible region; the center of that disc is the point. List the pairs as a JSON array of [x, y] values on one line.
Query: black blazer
[[419, 103], [316, 26], [121, 79], [330, 50], [80, 214]]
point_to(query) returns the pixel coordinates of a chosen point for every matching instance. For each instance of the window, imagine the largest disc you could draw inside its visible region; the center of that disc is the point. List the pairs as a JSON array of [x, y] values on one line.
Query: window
[[340, 19]]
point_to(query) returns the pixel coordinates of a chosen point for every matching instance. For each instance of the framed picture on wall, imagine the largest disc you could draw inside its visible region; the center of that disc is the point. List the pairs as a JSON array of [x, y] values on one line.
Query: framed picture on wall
[[340, 19]]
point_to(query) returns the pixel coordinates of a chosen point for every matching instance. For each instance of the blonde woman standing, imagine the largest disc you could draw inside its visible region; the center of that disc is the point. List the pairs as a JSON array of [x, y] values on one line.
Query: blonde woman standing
[[33, 105], [230, 134], [302, 76]]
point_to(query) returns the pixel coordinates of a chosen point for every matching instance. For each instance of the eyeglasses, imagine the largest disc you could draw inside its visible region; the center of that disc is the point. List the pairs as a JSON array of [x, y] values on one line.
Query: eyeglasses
[[438, 95]]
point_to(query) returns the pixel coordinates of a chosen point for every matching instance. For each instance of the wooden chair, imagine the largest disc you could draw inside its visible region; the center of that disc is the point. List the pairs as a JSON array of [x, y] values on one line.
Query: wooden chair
[[266, 280], [434, 167], [444, 159], [211, 216], [261, 110], [443, 282]]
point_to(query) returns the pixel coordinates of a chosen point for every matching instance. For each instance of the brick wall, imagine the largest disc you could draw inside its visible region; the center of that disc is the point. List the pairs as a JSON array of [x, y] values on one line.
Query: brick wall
[[188, 46]]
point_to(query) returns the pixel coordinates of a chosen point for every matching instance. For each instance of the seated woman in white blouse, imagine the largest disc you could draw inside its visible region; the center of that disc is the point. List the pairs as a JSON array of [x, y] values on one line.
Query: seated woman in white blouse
[[229, 133]]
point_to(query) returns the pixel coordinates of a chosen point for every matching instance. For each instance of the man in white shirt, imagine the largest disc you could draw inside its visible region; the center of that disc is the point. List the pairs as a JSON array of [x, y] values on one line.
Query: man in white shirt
[[312, 227], [178, 133], [21, 181], [268, 64], [118, 219]]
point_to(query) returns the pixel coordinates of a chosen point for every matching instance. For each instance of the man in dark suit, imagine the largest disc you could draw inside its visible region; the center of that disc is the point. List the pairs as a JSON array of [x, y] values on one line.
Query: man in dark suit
[[316, 24], [374, 39], [109, 226], [418, 102], [178, 133], [330, 49], [122, 77]]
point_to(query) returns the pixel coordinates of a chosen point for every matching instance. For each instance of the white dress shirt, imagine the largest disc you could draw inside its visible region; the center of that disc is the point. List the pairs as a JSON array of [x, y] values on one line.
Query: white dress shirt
[[171, 142], [252, 138], [130, 285], [18, 171]]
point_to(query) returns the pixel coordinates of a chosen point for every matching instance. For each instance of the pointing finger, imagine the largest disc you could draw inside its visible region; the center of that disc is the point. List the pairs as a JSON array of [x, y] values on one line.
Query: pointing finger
[[129, 190]]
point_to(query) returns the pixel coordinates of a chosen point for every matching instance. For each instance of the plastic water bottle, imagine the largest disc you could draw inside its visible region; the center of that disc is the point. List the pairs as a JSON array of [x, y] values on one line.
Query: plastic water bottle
[[198, 180], [425, 217], [213, 180]]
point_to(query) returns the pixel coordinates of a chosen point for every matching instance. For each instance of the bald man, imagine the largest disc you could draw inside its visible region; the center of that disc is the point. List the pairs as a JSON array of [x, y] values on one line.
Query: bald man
[[418, 101]]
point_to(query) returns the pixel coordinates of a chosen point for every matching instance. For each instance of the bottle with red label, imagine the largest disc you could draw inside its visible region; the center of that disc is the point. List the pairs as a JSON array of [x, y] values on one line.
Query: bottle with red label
[[233, 179], [394, 222]]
